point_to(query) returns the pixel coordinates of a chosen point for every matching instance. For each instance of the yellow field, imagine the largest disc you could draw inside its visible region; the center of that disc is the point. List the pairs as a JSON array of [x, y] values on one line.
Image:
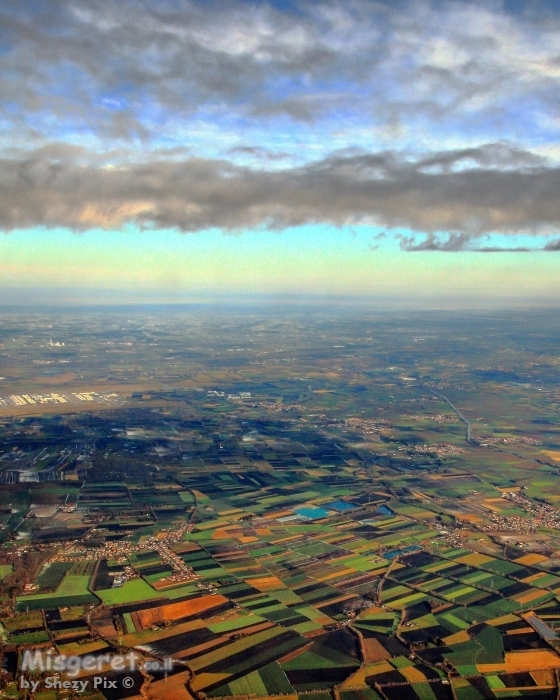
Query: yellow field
[[266, 583], [358, 679], [232, 511], [542, 659], [502, 620], [374, 610], [263, 531], [469, 517], [553, 454], [203, 680], [528, 559], [89, 648], [413, 674], [223, 533], [545, 677], [278, 514], [529, 596], [183, 547], [424, 515], [335, 574], [458, 637], [474, 559]]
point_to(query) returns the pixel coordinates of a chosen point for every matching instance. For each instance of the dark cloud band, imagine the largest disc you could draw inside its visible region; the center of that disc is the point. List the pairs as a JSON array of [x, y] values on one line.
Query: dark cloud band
[[500, 191]]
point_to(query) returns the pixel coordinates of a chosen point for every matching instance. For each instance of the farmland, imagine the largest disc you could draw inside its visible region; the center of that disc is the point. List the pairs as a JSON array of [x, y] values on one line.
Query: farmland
[[301, 515]]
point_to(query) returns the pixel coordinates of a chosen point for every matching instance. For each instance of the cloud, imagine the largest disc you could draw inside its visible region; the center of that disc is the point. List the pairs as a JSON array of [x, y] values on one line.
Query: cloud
[[553, 246], [463, 243], [378, 237], [453, 242], [490, 249], [123, 68], [58, 186]]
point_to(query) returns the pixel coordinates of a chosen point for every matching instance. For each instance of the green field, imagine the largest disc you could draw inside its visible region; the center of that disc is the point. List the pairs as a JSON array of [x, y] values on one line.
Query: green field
[[131, 592], [73, 590]]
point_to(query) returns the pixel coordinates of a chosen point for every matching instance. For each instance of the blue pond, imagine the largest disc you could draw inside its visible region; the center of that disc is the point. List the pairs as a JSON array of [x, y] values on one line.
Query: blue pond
[[397, 552], [312, 513], [384, 510], [339, 505]]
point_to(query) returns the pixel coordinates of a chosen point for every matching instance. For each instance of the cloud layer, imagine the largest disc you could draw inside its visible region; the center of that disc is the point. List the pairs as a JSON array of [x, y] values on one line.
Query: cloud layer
[[124, 68], [430, 115], [470, 192]]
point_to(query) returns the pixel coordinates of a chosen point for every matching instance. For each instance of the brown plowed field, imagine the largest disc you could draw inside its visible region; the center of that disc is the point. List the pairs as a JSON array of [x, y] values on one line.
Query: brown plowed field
[[374, 651], [176, 611]]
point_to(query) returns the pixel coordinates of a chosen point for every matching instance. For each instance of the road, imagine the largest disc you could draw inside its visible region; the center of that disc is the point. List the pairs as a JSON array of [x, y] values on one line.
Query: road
[[461, 416]]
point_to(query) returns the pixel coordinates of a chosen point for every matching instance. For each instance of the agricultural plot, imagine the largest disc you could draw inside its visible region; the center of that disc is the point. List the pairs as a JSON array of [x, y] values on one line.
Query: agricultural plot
[[72, 590], [299, 523], [5, 570], [132, 591]]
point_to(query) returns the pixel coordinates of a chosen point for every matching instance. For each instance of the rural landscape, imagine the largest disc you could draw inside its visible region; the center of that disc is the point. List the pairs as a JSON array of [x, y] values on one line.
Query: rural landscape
[[345, 505], [280, 350]]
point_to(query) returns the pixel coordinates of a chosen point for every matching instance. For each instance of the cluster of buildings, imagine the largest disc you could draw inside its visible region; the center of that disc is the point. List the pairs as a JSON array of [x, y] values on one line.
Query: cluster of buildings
[[440, 450], [544, 515], [53, 398], [120, 550], [25, 399], [438, 417], [510, 441], [231, 397], [367, 426]]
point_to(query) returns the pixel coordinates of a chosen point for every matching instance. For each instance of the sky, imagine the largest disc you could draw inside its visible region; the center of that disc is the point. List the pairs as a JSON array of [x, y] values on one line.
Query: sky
[[173, 149]]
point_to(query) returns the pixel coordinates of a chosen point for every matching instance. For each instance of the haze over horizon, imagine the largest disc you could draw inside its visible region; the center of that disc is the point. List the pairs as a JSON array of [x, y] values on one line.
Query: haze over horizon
[[169, 151]]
